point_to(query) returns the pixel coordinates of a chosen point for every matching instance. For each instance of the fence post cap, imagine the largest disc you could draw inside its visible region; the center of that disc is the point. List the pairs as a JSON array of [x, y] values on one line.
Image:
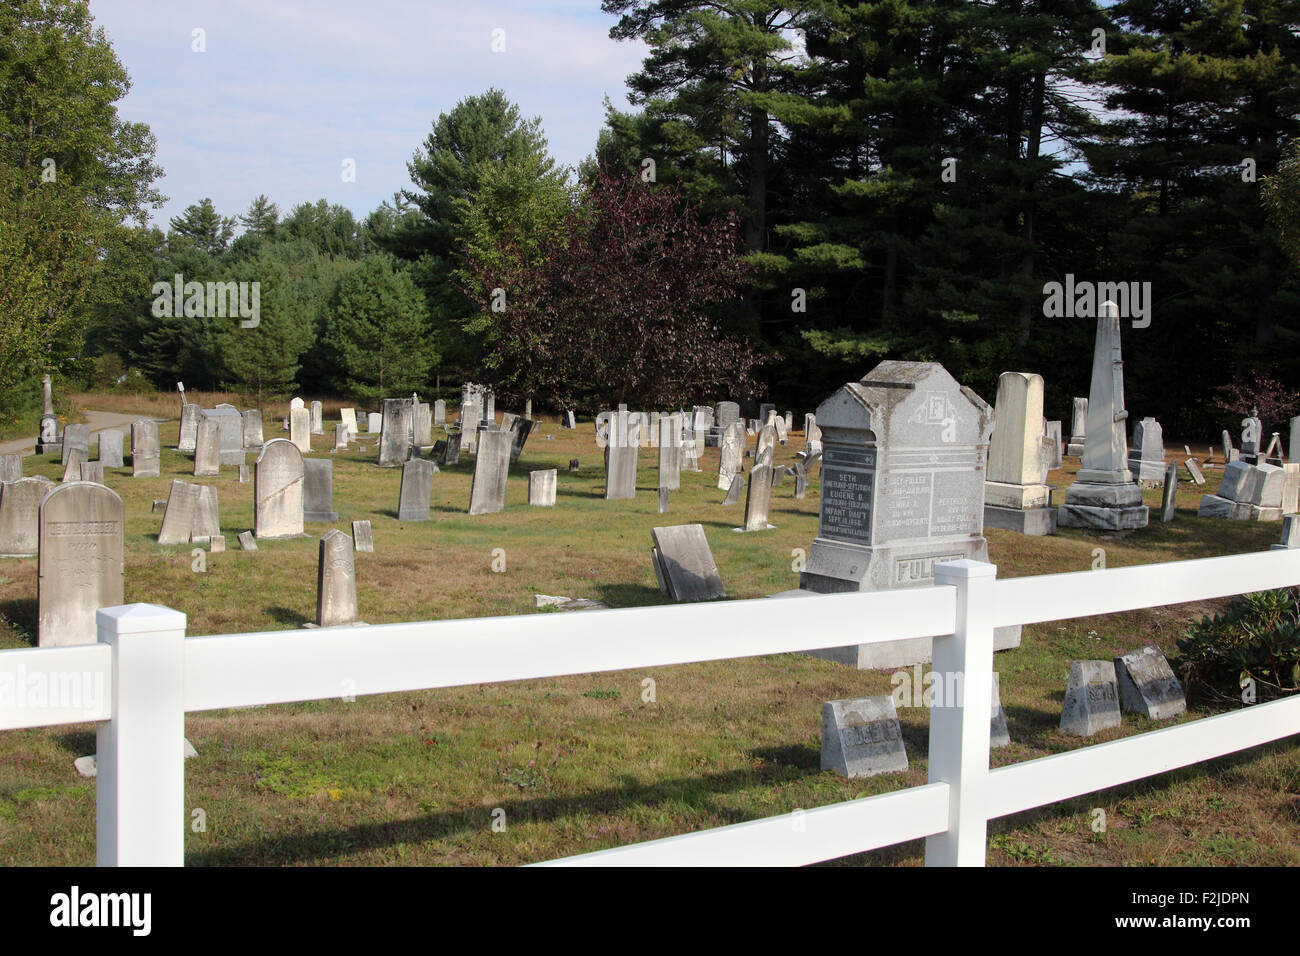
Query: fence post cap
[[139, 619], [964, 569]]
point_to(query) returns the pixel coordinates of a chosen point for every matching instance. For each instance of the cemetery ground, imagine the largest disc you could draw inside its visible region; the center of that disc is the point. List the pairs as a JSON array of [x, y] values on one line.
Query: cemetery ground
[[587, 762]]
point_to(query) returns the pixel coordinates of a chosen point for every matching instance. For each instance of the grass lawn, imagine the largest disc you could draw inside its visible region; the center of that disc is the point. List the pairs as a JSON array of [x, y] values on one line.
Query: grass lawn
[[583, 763]]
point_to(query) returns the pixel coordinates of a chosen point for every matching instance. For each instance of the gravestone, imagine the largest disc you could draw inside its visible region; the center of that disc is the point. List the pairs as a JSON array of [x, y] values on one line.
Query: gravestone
[[76, 437], [1104, 495], [541, 487], [451, 451], [300, 429], [341, 436], [692, 448], [216, 544], [207, 449], [76, 460], [736, 490], [416, 490], [1168, 501], [11, 467], [519, 431], [230, 441], [902, 489], [487, 490], [398, 429], [79, 568], [348, 416], [178, 518], [1295, 437], [278, 491], [361, 536], [251, 426], [159, 504], [1290, 532], [528, 408], [207, 519], [1147, 685], [374, 423], [725, 414], [569, 420], [471, 413], [759, 498], [800, 480], [317, 414], [110, 448], [440, 412], [684, 564], [1247, 493], [243, 474], [812, 435], [1015, 496], [861, 738], [92, 471], [1229, 453], [731, 447], [765, 452], [421, 424], [670, 453], [1052, 431], [318, 490], [1078, 427], [1290, 488], [246, 541], [191, 415], [1146, 459], [296, 403], [620, 459], [1251, 433], [661, 502], [782, 435], [336, 581], [20, 505], [145, 449], [1194, 470], [1091, 698]]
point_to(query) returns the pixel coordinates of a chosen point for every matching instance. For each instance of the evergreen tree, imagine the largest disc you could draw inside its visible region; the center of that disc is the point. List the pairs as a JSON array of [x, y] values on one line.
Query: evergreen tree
[[202, 225]]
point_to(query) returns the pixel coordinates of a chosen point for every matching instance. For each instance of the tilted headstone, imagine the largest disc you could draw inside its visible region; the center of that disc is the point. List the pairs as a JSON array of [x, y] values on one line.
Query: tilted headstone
[[861, 738], [300, 429], [348, 416], [758, 498], [519, 432], [20, 505], [395, 440], [251, 426], [1015, 496], [1194, 470], [178, 518], [782, 435], [207, 449], [75, 461], [1146, 459], [1078, 427], [361, 536], [247, 541], [207, 516], [1104, 495], [569, 420], [317, 413], [76, 437], [765, 453], [1229, 453], [451, 453], [800, 480], [902, 489], [11, 467], [336, 581], [145, 449], [1091, 698], [318, 490], [670, 453], [110, 447], [278, 491], [731, 447], [487, 491], [416, 491], [191, 415], [1169, 500], [736, 490], [1147, 685], [79, 569], [684, 563], [541, 487]]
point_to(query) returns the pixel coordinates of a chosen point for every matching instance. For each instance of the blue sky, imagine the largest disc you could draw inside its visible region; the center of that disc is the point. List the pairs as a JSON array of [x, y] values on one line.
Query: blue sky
[[289, 89]]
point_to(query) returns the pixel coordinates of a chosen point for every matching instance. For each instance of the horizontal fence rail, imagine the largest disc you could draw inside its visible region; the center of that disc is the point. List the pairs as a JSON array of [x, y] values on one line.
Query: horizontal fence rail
[[144, 675]]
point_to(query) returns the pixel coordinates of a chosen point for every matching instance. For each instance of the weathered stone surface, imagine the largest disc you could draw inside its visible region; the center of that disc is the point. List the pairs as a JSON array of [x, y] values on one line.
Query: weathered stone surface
[[1290, 531], [758, 498], [1194, 470], [110, 447], [300, 429], [1147, 684], [421, 424], [230, 433], [11, 467], [1078, 427], [76, 438], [670, 453], [74, 461], [440, 412], [1052, 432], [207, 449], [246, 541], [92, 471], [348, 416], [451, 452], [341, 436], [80, 565], [519, 431], [216, 544], [765, 452], [1291, 488], [398, 431], [541, 487], [1251, 433], [621, 460], [278, 491], [416, 491], [1146, 459], [685, 563], [336, 581], [20, 505], [191, 415], [1168, 502], [862, 738], [207, 520], [569, 420], [317, 418], [145, 449], [1091, 699], [731, 449], [296, 403], [374, 423], [318, 490], [800, 480], [1016, 497], [487, 494], [362, 537]]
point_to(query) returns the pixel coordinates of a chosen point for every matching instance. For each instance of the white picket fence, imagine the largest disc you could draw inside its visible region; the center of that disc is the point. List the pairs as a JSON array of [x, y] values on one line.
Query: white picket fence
[[153, 676]]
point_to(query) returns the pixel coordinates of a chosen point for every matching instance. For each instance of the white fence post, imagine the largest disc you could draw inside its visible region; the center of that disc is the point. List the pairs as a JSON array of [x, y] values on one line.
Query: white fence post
[[959, 729], [140, 781]]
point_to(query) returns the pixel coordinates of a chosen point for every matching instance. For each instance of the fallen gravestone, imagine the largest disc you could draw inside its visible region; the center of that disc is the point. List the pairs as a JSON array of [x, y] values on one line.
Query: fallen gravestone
[[684, 563], [1194, 469], [1147, 685]]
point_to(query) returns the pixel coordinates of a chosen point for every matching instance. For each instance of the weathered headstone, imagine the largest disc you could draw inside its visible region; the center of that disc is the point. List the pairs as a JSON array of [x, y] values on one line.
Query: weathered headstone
[[243, 474], [1104, 495], [519, 431], [318, 490], [1078, 427], [1290, 532], [374, 423], [1146, 459], [765, 452], [1194, 470], [348, 416], [670, 453], [440, 412], [451, 452], [216, 544], [812, 435], [861, 738], [75, 461], [207, 449], [20, 505], [731, 447], [300, 429], [421, 424], [1169, 499], [1015, 496], [80, 568], [800, 480], [296, 403], [336, 581], [316, 411], [620, 459], [395, 440], [1251, 434], [487, 492], [92, 471], [341, 436], [541, 487], [684, 563], [1091, 698], [207, 516], [145, 449], [569, 420], [246, 541], [758, 497], [110, 447], [1147, 685], [1052, 431], [76, 437], [1290, 488], [416, 490], [361, 535], [736, 490], [278, 491], [230, 440], [11, 467], [191, 415]]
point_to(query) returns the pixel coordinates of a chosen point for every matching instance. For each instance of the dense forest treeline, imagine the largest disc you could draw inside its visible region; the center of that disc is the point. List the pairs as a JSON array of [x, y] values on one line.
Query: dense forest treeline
[[802, 190]]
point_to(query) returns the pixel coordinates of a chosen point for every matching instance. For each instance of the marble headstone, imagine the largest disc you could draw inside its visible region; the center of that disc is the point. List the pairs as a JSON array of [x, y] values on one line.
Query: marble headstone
[[79, 568], [416, 491], [318, 490], [1147, 684], [1091, 699], [336, 581], [684, 563], [20, 505], [861, 738], [541, 487], [278, 491], [110, 447], [145, 449], [487, 493]]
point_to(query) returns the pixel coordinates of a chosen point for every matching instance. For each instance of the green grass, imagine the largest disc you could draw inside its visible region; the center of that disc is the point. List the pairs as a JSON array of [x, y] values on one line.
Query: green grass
[[583, 763]]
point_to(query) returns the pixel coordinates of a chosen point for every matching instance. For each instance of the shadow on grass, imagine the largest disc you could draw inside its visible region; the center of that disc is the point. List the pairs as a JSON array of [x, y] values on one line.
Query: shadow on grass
[[22, 613], [284, 615], [631, 595], [79, 743]]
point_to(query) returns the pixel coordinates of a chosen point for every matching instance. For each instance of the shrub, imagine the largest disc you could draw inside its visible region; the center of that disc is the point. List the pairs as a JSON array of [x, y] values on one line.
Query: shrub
[[1258, 638]]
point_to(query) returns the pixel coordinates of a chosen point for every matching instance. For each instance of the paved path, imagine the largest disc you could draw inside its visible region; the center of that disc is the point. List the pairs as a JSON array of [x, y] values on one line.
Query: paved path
[[97, 421]]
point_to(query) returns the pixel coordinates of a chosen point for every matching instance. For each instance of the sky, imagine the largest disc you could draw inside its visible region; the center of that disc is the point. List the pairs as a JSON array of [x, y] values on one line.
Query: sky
[[286, 91]]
